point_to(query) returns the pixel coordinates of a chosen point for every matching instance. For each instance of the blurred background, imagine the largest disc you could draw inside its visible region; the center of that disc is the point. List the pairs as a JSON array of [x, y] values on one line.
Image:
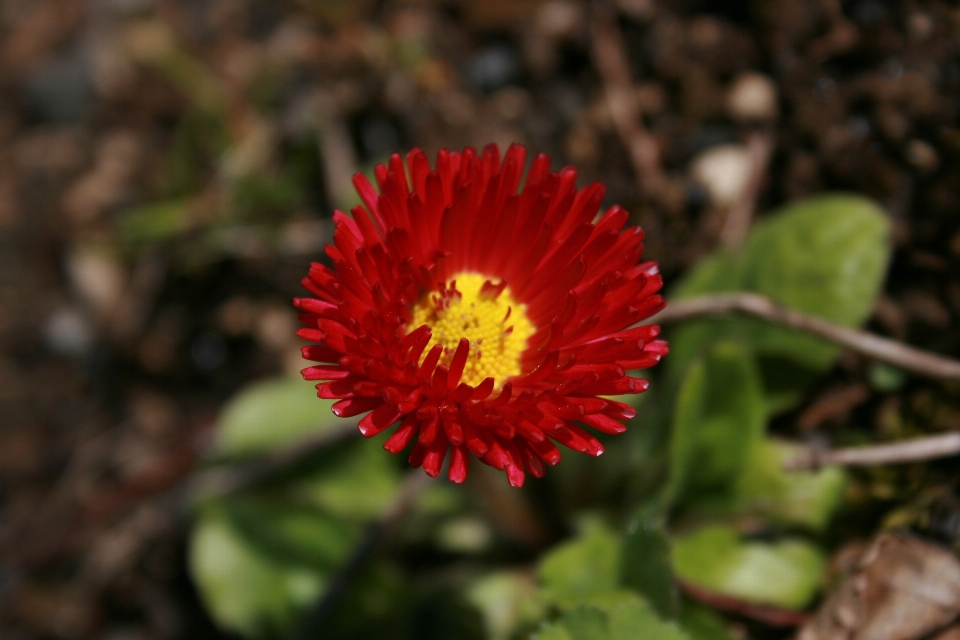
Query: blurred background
[[168, 170]]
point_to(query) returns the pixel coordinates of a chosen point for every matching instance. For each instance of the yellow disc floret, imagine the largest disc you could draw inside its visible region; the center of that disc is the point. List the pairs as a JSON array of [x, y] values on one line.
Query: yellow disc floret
[[475, 307]]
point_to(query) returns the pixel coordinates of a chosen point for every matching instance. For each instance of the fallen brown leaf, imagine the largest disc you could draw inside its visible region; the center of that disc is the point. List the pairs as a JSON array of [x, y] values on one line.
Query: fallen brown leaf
[[904, 589]]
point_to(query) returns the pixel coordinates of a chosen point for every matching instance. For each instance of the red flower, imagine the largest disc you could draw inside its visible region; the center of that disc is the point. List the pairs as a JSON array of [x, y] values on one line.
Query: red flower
[[484, 321]]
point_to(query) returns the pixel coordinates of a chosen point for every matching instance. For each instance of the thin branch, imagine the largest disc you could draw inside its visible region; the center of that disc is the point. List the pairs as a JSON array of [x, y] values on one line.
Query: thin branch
[[611, 61], [760, 147], [873, 346], [915, 450]]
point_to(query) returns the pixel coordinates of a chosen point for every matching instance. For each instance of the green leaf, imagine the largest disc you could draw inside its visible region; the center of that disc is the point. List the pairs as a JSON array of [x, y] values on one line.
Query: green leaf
[[294, 535], [155, 221], [359, 484], [587, 623], [718, 421], [244, 590], [885, 378], [825, 256], [701, 623], [787, 573], [622, 618], [647, 568], [796, 498], [576, 569], [507, 600], [638, 620], [270, 413]]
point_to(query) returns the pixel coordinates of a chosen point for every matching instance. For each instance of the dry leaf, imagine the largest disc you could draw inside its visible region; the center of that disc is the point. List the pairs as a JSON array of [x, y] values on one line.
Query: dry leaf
[[904, 589]]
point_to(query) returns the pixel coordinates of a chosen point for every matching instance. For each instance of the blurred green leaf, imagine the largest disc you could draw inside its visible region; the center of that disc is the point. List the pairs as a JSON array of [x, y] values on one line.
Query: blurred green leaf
[[719, 420], [244, 590], [786, 574], [826, 256], [797, 498], [507, 600], [262, 197], [623, 618], [586, 565], [359, 484], [647, 567], [156, 221], [294, 535], [885, 378], [270, 413], [701, 623]]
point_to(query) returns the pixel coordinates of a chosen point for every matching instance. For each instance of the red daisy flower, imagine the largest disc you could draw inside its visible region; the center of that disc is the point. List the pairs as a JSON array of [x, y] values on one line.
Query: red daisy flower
[[482, 320]]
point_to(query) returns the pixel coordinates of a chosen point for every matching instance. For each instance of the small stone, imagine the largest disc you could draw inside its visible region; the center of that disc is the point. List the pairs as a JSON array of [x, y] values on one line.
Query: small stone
[[559, 19], [275, 326], [919, 25], [511, 103], [236, 316], [494, 67], [98, 277], [303, 237], [922, 155], [639, 10], [723, 171], [582, 145], [752, 97], [68, 332]]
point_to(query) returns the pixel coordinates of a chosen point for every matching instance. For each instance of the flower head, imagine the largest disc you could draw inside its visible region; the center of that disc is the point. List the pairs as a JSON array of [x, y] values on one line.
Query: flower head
[[479, 319]]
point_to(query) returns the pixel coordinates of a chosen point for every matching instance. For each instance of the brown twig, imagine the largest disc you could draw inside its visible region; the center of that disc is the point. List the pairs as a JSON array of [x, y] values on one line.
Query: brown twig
[[760, 147], [611, 61], [873, 346], [915, 450], [773, 616]]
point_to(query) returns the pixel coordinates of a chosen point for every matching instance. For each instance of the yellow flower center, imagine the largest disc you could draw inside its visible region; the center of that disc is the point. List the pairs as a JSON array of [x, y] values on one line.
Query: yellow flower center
[[474, 307]]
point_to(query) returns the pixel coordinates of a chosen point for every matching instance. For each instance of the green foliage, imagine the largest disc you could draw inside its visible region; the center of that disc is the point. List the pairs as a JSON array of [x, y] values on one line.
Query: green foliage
[[617, 618], [260, 557], [883, 377], [718, 422], [647, 569], [243, 588], [262, 197], [298, 535], [785, 573], [804, 499], [507, 600], [825, 256], [701, 623], [269, 413], [587, 565]]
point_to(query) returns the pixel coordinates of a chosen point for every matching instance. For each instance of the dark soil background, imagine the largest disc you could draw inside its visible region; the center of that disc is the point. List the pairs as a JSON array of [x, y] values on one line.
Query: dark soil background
[[168, 169]]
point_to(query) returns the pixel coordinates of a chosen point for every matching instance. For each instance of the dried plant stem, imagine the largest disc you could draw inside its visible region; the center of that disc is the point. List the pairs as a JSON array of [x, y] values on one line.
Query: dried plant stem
[[873, 346], [915, 450], [611, 61]]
